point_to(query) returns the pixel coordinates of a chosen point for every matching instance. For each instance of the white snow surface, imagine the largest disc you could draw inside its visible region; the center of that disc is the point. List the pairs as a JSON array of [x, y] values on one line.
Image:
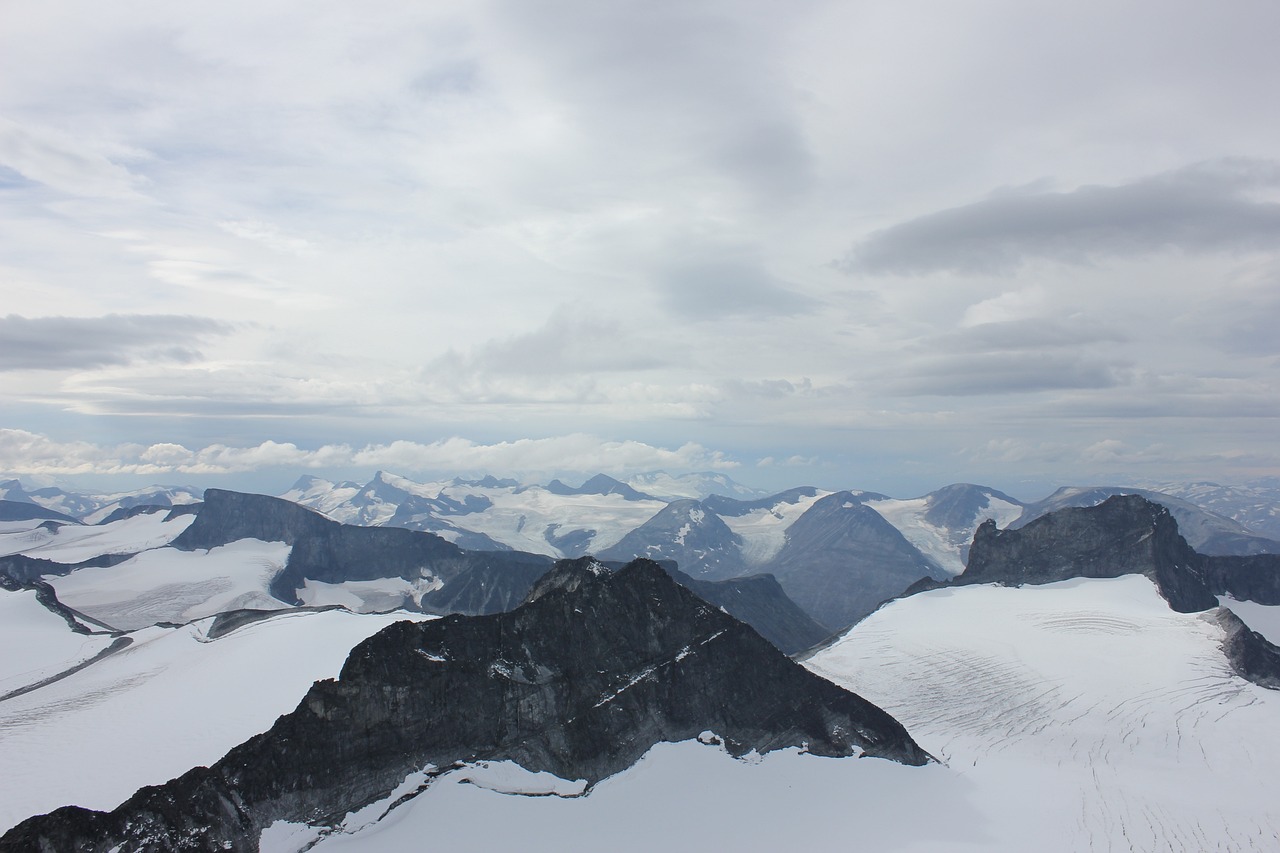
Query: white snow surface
[[1263, 618], [520, 519], [698, 486], [322, 495], [168, 585], [519, 516], [74, 543], [371, 596], [943, 545], [764, 531], [37, 643], [1082, 715], [171, 701], [680, 797]]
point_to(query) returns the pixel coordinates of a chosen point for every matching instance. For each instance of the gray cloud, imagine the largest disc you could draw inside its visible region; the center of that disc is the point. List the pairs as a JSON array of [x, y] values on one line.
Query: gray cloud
[[673, 86], [62, 343], [565, 344], [1029, 334], [723, 287], [1003, 374], [1204, 207]]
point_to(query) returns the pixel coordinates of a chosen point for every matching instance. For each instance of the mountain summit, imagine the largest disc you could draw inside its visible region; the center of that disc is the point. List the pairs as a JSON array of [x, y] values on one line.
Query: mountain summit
[[581, 680]]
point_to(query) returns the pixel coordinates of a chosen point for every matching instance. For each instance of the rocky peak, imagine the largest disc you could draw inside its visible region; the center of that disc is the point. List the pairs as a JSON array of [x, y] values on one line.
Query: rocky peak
[[581, 680], [1125, 534], [228, 516], [567, 575]]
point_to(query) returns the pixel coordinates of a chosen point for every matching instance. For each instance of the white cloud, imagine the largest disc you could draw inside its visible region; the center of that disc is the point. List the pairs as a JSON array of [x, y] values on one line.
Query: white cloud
[[23, 452], [67, 163]]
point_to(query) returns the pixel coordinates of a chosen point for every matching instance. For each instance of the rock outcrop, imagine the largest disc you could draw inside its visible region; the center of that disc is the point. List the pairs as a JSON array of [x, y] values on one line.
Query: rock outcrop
[[1125, 534], [581, 680], [331, 552]]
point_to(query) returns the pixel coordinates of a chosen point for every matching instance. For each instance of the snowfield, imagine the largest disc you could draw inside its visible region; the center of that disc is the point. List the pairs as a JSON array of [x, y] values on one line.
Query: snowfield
[[680, 797], [1263, 618], [521, 519], [74, 543], [170, 700], [942, 545], [167, 585], [36, 643], [764, 531], [1082, 715]]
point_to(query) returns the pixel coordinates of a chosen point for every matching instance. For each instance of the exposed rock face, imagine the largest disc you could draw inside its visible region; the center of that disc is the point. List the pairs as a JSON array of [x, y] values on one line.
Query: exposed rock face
[[842, 559], [688, 533], [229, 516], [1252, 578], [1251, 655], [1207, 532], [761, 602], [23, 511], [325, 550], [1125, 534], [581, 680]]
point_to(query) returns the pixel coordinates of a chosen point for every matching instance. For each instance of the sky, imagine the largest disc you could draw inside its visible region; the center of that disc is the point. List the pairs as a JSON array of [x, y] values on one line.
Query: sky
[[880, 245]]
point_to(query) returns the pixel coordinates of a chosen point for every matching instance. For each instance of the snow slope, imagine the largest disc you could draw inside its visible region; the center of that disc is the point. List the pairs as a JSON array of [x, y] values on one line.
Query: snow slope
[[171, 700], [764, 529], [522, 517], [680, 797], [1082, 715], [1263, 618], [37, 643], [526, 518], [946, 546], [73, 543], [168, 585]]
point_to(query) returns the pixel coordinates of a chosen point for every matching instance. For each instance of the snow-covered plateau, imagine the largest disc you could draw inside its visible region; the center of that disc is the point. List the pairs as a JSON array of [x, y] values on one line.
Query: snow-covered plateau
[[167, 700], [1080, 715]]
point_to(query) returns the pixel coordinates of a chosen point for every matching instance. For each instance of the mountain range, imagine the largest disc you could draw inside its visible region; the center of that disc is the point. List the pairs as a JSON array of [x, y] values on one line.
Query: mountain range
[[1087, 680]]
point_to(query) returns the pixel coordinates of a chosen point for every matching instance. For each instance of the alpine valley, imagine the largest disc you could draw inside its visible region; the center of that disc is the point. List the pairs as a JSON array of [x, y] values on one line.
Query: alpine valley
[[657, 662]]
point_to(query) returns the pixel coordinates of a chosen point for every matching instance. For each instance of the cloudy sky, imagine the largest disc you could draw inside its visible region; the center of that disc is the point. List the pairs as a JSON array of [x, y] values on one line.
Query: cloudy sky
[[885, 245]]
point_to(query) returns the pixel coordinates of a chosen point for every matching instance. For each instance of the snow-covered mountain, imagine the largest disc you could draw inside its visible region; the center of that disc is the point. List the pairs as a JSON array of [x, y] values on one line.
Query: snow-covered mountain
[[1067, 711], [546, 686], [1207, 532], [93, 508], [699, 486], [89, 719], [941, 523], [1254, 505], [556, 520]]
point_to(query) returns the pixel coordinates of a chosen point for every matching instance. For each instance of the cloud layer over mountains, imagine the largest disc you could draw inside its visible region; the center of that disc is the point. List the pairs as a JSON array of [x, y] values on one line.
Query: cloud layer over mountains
[[911, 243]]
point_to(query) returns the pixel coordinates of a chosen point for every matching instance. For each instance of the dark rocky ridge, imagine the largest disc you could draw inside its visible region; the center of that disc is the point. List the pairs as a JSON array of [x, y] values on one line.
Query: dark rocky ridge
[[761, 602], [328, 551], [1251, 578], [24, 511], [474, 582], [1206, 531], [581, 680], [1125, 534], [1250, 654]]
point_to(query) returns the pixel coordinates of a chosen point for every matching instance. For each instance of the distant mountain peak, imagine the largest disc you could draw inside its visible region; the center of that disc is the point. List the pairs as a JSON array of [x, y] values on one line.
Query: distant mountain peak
[[600, 484]]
